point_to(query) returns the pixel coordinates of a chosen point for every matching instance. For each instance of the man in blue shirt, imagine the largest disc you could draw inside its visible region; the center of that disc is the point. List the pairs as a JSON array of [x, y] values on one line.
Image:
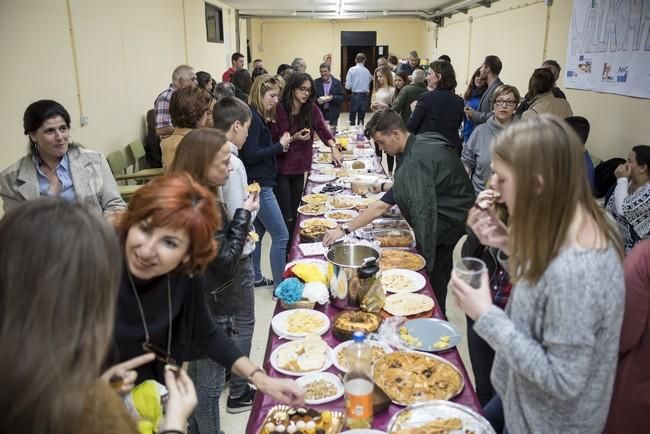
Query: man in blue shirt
[[358, 81]]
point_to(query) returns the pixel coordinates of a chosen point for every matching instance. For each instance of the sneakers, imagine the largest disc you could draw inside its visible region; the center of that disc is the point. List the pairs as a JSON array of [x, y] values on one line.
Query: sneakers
[[241, 404], [263, 282]]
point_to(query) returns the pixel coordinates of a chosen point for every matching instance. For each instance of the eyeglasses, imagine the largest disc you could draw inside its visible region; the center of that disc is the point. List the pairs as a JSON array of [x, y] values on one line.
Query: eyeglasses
[[505, 102], [304, 89]]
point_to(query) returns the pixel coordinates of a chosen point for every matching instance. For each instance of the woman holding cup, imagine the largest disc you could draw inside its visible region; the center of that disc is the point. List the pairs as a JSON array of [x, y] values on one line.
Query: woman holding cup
[[556, 343]]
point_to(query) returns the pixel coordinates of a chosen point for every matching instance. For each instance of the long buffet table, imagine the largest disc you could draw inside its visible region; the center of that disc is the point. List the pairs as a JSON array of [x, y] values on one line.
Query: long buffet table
[[263, 403]]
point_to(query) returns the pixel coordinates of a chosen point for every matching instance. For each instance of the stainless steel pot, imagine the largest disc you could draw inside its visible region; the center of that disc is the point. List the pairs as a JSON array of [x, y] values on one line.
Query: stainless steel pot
[[344, 261]]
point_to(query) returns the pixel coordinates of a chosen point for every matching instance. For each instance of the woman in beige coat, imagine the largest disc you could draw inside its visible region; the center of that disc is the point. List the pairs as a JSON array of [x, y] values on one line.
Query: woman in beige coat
[[540, 94]]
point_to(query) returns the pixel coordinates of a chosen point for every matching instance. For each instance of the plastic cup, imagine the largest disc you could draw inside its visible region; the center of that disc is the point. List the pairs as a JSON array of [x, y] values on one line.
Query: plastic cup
[[469, 270]]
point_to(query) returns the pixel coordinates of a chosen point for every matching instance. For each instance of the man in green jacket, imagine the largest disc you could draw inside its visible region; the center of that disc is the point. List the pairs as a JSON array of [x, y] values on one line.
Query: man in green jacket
[[409, 94], [431, 189]]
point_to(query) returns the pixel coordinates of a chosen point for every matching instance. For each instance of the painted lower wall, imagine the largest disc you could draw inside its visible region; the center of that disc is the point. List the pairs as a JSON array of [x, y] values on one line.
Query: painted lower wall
[[523, 33], [125, 51]]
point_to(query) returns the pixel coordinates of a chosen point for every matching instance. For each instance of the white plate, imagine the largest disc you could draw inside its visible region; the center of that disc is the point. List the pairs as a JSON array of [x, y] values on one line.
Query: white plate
[[274, 362], [351, 213], [419, 414], [353, 201], [329, 222], [418, 280], [340, 347], [313, 249], [321, 177], [279, 323], [309, 378]]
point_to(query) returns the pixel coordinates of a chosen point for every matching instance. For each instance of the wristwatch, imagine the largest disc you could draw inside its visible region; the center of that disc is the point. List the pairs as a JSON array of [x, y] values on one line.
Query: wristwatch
[[345, 228]]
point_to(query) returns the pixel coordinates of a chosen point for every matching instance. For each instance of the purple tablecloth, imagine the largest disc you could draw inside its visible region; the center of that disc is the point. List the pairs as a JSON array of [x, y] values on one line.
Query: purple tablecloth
[[263, 403]]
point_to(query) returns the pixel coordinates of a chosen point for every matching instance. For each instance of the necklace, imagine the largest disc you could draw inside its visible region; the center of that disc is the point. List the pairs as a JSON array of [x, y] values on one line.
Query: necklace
[[147, 345]]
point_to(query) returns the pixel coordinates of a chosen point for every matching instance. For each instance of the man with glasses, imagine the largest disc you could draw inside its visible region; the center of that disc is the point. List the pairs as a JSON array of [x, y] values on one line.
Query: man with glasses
[[182, 76], [489, 71], [358, 81], [329, 92]]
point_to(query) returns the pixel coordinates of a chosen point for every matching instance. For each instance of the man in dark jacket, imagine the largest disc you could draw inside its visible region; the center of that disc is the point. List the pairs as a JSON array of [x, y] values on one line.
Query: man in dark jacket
[[329, 92], [431, 189]]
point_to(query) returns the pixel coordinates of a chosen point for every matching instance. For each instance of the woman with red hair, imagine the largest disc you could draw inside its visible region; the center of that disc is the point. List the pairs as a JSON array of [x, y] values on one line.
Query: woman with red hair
[[167, 237]]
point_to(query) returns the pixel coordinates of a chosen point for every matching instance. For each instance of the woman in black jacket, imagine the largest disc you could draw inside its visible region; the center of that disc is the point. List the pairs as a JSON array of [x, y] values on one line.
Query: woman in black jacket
[[205, 154], [440, 110], [168, 237]]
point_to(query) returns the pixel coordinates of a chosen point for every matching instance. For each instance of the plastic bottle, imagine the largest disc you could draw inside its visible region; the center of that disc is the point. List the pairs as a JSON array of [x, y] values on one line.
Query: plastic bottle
[[358, 383], [360, 133]]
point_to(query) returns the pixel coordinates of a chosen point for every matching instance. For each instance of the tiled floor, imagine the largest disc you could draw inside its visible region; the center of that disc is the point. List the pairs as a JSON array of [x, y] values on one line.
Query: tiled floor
[[236, 424]]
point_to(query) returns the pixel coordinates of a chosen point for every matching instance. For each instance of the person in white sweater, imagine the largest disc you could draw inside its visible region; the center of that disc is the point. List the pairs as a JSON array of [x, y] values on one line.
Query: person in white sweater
[[556, 343]]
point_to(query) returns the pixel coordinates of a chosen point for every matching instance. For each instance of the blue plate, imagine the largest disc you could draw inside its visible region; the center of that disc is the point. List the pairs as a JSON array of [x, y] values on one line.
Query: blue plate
[[428, 331]]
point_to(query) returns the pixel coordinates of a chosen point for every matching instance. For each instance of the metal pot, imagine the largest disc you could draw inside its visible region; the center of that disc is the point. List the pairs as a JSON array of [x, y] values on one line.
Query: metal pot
[[344, 261]]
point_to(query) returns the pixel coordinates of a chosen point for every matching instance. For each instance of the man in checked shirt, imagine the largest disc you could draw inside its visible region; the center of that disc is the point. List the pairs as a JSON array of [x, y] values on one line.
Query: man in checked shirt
[[182, 76]]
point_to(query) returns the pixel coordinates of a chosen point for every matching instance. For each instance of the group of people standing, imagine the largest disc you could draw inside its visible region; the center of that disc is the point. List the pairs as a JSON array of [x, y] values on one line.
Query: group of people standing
[[170, 277]]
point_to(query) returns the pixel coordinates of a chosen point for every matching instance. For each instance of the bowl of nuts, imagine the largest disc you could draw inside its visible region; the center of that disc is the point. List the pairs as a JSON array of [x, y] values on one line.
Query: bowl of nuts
[[320, 387]]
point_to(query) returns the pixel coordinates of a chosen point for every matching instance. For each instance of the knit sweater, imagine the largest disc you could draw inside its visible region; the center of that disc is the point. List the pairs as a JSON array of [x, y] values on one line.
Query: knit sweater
[[557, 343]]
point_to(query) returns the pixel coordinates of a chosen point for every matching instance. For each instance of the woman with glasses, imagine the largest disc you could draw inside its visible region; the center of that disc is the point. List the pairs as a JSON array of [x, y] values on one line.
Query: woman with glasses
[[540, 96], [440, 110], [299, 115], [260, 154], [476, 155]]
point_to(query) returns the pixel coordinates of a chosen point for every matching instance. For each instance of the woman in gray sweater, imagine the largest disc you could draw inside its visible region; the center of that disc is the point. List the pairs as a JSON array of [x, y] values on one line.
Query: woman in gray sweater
[[556, 344]]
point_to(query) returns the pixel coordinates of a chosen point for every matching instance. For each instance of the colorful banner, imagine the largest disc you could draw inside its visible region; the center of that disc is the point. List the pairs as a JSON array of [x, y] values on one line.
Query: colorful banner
[[609, 47]]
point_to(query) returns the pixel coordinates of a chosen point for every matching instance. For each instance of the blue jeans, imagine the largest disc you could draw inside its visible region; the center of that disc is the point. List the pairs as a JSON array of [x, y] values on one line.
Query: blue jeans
[[269, 218], [209, 378], [493, 412], [358, 106], [244, 319]]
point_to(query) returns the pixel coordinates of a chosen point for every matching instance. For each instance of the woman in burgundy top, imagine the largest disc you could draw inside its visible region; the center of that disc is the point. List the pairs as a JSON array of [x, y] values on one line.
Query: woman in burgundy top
[[300, 116], [630, 407]]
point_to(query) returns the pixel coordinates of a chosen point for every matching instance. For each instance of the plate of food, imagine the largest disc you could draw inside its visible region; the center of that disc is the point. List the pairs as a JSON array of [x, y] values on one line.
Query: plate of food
[[438, 417], [318, 221], [429, 334], [343, 202], [297, 358], [285, 419], [408, 304], [315, 198], [329, 188], [321, 177], [408, 377], [313, 233], [313, 209], [402, 280], [379, 350], [393, 237], [341, 216], [401, 259], [298, 323], [320, 387], [323, 158], [349, 321]]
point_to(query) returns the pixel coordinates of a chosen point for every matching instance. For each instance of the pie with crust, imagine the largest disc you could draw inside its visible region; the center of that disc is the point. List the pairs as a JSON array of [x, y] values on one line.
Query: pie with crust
[[401, 259], [410, 377]]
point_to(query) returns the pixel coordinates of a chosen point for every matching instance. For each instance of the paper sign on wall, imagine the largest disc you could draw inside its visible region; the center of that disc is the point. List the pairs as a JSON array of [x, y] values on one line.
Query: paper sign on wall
[[609, 47]]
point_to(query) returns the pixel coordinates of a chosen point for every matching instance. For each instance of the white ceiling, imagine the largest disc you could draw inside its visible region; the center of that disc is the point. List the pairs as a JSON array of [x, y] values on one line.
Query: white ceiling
[[340, 9]]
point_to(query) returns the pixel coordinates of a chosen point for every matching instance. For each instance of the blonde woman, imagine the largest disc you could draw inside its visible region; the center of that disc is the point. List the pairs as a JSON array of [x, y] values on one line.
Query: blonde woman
[[382, 98], [556, 343], [259, 155]]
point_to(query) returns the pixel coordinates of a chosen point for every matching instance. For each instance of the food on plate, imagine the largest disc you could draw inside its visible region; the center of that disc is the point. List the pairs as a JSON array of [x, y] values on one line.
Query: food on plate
[[339, 172], [331, 188], [350, 321], [283, 419], [313, 233], [340, 215], [323, 158], [397, 282], [342, 202], [377, 353], [313, 208], [390, 224], [406, 304], [400, 259], [408, 339], [436, 426], [410, 377], [302, 322], [309, 354], [253, 188], [254, 236], [320, 389], [442, 342], [358, 165], [315, 198], [365, 202], [318, 222], [394, 238]]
